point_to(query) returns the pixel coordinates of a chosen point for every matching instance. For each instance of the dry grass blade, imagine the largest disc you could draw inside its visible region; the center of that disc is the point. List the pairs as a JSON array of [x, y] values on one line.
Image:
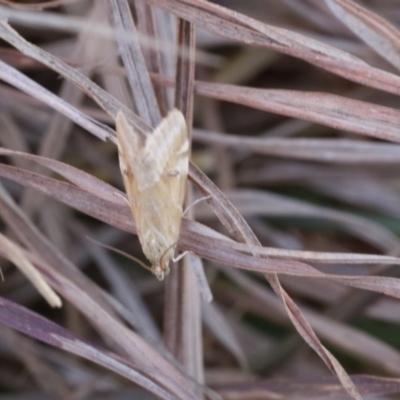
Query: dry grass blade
[[89, 299], [389, 286], [112, 195], [219, 324], [309, 389], [307, 333], [323, 108], [38, 5], [32, 324], [198, 268], [330, 110], [125, 291], [59, 127], [15, 254], [232, 25], [185, 72], [134, 62], [238, 227], [251, 202], [335, 333], [376, 32], [182, 295], [207, 246], [309, 226], [103, 99], [15, 78], [365, 192], [337, 151], [354, 342], [29, 352], [74, 175]]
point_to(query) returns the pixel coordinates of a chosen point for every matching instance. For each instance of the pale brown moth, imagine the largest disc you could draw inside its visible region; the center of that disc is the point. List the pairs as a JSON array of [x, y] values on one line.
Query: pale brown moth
[[154, 169]]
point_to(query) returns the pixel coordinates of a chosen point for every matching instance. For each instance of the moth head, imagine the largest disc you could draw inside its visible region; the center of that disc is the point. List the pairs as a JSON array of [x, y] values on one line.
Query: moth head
[[160, 270]]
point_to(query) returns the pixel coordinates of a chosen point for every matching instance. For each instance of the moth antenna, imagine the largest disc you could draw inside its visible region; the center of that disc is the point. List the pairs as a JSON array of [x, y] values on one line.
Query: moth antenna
[[123, 253], [195, 203], [167, 250]]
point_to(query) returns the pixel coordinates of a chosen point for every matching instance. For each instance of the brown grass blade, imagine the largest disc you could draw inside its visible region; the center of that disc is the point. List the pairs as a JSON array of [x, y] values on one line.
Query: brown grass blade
[[216, 321], [185, 72], [106, 192], [108, 103], [59, 127], [35, 326], [338, 151], [30, 354], [336, 333], [88, 298], [257, 202], [124, 289], [204, 287], [183, 333], [375, 31], [74, 175], [14, 253], [38, 5], [327, 109], [384, 310], [235, 223], [15, 78], [232, 259], [356, 341], [134, 62], [11, 137], [347, 208], [364, 192], [309, 389], [96, 192], [323, 108], [236, 26]]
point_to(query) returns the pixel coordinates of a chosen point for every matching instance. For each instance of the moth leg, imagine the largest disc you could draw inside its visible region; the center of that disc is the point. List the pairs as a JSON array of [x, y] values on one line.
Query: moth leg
[[178, 258], [195, 203]]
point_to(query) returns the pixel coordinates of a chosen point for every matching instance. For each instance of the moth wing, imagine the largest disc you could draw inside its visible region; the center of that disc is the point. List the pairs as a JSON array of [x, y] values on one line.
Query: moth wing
[[129, 146], [171, 139], [169, 146], [155, 173]]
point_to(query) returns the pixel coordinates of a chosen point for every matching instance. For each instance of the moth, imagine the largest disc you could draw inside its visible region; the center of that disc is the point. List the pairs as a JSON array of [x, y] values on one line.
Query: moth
[[154, 170]]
